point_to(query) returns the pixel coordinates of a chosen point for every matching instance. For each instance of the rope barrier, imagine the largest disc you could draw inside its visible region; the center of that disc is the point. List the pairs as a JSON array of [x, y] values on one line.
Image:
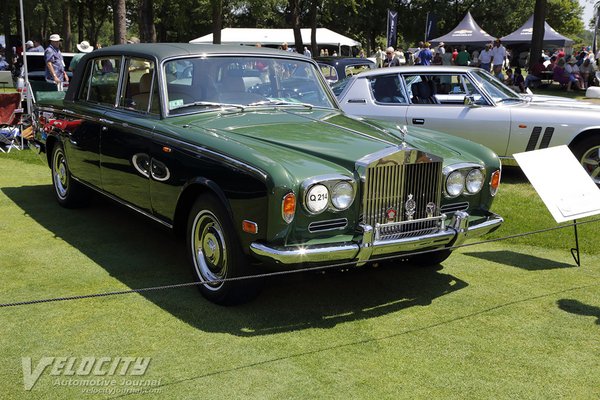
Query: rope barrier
[[278, 273]]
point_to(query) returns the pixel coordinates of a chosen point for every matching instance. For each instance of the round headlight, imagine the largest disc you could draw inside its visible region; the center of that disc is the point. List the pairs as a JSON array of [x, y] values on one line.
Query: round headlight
[[342, 195], [455, 183], [317, 198], [474, 181]]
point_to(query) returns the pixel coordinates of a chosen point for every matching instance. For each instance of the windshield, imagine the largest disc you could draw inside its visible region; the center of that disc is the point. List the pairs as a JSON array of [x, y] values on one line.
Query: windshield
[[498, 91], [198, 84]]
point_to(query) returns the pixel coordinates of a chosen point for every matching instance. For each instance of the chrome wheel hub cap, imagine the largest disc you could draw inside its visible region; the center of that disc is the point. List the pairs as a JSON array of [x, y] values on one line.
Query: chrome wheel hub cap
[[210, 252], [591, 162]]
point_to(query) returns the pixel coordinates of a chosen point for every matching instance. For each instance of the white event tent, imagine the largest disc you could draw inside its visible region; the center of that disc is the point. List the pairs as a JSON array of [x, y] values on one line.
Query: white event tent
[[275, 37]]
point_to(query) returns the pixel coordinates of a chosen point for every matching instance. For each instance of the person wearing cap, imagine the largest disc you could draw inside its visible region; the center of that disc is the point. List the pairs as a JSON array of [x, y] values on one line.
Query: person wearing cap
[[572, 70], [441, 49], [37, 47], [28, 45], [84, 48], [55, 64]]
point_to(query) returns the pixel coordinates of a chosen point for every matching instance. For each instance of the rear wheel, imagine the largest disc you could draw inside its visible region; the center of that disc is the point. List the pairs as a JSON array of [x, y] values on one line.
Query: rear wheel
[[587, 153], [69, 193], [216, 254]]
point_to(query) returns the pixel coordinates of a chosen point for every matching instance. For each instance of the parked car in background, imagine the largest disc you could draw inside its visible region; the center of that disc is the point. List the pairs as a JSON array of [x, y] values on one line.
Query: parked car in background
[[335, 69], [36, 72], [472, 104], [245, 152]]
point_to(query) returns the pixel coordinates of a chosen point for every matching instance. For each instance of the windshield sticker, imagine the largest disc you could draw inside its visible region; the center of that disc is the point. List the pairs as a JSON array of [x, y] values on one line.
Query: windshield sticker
[[175, 103]]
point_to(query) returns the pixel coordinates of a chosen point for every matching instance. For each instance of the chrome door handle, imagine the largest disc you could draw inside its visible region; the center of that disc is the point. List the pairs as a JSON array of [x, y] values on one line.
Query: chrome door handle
[[418, 121]]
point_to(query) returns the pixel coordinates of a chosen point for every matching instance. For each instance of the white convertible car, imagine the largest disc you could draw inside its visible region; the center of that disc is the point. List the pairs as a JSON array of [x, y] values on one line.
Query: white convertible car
[[471, 103]]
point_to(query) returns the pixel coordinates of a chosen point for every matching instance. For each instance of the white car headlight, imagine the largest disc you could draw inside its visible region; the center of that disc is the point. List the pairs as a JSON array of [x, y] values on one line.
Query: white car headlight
[[474, 181], [342, 195], [317, 198], [455, 183]]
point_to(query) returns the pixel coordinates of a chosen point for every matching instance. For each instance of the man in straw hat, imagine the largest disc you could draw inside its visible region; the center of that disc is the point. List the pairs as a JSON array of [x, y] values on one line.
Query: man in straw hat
[[84, 48], [55, 65]]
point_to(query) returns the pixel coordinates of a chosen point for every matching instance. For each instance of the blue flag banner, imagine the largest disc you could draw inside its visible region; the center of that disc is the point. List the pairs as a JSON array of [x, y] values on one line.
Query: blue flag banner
[[392, 28], [430, 27], [594, 41]]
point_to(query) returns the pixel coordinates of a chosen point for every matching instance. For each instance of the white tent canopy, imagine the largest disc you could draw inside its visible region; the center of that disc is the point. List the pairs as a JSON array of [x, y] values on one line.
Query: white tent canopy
[[275, 37]]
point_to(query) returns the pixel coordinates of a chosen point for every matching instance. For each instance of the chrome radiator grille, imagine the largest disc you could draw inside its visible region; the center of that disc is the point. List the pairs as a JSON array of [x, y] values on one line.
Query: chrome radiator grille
[[391, 187]]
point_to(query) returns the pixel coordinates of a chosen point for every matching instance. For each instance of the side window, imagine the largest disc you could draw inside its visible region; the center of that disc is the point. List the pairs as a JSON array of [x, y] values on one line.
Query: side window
[[387, 89], [140, 88], [355, 69], [329, 72], [102, 81]]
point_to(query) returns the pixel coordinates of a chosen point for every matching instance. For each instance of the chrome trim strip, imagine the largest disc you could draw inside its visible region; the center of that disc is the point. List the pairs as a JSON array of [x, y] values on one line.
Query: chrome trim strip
[[128, 205], [328, 225]]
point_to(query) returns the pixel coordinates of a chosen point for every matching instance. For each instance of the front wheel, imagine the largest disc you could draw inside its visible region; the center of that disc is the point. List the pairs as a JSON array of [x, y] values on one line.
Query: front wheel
[[216, 255], [587, 153], [69, 193]]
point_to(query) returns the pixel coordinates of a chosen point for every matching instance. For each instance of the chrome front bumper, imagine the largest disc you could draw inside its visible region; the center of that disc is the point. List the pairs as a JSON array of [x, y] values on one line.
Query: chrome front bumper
[[370, 248]]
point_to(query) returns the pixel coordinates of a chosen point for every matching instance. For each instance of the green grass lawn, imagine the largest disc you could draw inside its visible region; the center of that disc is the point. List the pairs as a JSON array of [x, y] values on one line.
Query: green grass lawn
[[506, 320]]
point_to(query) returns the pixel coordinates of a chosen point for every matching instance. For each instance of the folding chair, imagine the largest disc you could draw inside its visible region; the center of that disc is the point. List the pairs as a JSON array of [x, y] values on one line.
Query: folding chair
[[10, 121]]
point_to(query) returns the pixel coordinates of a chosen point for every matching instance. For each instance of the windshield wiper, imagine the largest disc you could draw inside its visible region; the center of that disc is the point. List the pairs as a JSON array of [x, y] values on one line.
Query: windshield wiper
[[210, 104], [280, 103]]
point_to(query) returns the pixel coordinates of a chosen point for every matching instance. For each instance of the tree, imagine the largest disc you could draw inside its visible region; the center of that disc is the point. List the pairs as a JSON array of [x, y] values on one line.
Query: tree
[[537, 39], [146, 21], [119, 21]]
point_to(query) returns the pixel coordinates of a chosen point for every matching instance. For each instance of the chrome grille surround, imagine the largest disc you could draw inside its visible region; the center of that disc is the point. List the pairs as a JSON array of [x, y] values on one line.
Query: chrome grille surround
[[394, 177]]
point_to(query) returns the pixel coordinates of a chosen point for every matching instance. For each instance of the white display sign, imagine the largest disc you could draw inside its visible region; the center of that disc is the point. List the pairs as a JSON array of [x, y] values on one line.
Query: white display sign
[[564, 186]]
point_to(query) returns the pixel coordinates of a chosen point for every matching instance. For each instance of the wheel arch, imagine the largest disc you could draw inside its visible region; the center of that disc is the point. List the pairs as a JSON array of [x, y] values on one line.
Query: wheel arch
[[583, 135], [191, 191]]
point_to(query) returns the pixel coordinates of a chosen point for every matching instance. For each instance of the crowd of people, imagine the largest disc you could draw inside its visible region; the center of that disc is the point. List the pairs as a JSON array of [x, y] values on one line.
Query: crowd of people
[[576, 71]]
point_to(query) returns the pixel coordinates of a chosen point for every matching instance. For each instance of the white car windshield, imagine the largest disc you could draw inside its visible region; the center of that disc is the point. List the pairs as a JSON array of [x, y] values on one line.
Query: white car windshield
[[497, 90], [199, 84]]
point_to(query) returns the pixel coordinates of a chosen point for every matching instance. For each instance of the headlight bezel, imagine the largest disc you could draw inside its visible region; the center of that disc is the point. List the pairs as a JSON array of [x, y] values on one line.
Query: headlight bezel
[[330, 182], [463, 170]]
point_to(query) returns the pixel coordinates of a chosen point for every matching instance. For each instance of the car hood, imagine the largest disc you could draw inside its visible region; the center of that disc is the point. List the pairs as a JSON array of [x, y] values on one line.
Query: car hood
[[324, 134], [562, 103]]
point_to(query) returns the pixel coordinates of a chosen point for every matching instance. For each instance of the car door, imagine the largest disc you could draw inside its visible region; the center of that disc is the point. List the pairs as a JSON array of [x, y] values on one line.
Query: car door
[[83, 126], [479, 121], [378, 97], [127, 129]]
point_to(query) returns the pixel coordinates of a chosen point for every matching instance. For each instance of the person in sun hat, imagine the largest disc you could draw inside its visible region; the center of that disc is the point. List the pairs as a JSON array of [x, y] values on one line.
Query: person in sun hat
[[55, 64], [84, 47]]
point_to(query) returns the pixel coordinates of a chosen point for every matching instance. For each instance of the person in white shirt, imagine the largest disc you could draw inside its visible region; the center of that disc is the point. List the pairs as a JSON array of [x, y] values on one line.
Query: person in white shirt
[[485, 58], [498, 56]]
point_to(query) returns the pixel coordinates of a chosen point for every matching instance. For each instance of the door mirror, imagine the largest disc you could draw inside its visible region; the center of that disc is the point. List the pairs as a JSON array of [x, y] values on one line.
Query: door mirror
[[469, 100]]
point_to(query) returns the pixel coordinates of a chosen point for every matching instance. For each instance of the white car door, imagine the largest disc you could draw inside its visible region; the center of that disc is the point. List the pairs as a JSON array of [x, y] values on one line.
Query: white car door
[[380, 97], [480, 121]]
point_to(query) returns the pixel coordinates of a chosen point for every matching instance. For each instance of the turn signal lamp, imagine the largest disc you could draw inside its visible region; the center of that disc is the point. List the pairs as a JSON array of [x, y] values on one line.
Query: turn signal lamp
[[495, 182], [288, 207]]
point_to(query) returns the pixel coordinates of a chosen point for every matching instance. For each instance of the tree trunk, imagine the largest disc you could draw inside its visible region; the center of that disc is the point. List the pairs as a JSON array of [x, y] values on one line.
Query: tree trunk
[[80, 23], [67, 39], [537, 39], [120, 27], [295, 23], [217, 16], [146, 21], [314, 12]]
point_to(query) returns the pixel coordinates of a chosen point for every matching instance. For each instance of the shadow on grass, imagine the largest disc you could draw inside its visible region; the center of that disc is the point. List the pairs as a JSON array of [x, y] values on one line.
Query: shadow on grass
[[140, 253], [579, 308], [519, 260]]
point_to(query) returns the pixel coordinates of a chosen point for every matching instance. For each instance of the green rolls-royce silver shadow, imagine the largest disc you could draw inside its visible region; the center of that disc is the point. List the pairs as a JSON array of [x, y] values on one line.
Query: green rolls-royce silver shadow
[[245, 152]]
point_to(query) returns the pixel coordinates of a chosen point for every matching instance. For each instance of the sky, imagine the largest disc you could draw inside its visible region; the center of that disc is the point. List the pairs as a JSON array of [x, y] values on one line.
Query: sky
[[588, 11]]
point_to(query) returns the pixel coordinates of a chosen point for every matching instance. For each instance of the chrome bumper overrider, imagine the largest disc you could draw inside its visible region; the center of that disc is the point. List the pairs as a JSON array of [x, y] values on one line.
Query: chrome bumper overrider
[[368, 247]]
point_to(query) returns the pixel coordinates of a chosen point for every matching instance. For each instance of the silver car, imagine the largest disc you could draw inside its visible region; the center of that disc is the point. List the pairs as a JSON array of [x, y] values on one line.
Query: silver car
[[471, 103]]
